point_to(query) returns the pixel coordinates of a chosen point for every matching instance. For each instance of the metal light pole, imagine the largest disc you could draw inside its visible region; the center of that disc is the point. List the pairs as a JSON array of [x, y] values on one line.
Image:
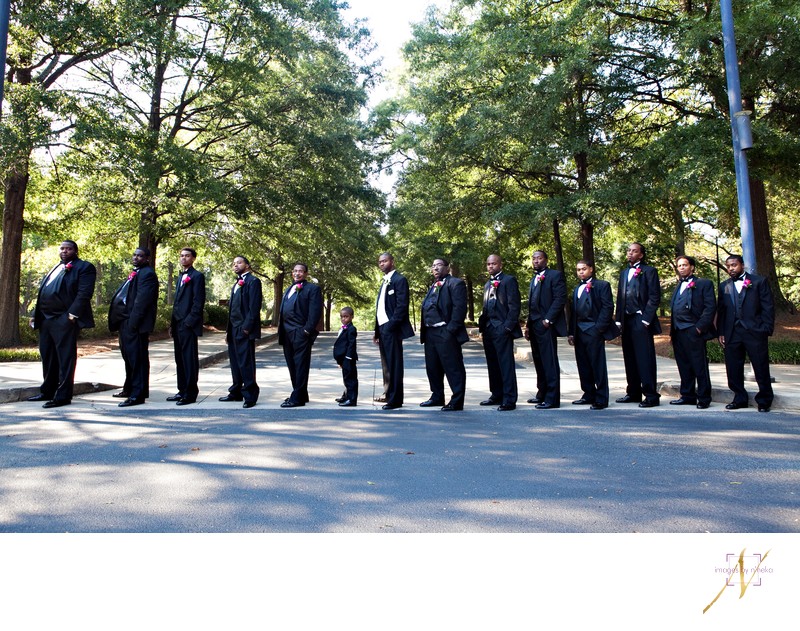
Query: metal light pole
[[5, 14], [742, 138]]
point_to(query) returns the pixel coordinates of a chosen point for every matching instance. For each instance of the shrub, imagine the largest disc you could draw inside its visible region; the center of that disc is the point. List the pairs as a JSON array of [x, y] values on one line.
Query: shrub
[[216, 316], [19, 355]]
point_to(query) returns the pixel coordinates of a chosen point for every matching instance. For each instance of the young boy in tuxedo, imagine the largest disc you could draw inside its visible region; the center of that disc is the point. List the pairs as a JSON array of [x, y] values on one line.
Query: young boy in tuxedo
[[344, 353]]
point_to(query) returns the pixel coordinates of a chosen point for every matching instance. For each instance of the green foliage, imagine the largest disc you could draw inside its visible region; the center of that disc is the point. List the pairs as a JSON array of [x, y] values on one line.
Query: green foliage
[[19, 355], [216, 316]]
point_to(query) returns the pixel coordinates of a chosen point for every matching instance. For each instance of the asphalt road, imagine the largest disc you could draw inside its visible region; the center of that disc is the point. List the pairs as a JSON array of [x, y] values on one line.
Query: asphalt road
[[214, 467]]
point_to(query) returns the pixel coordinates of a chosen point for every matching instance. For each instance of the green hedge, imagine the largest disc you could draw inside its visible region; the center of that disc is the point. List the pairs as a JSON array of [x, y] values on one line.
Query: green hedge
[[19, 355], [217, 316], [780, 352]]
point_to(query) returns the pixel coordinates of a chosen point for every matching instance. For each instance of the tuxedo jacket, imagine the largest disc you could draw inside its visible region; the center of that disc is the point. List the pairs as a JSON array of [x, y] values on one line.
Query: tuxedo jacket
[[698, 303], [190, 298], [507, 305], [307, 305], [395, 303], [551, 298], [757, 306], [251, 300], [451, 302], [141, 302], [75, 291], [648, 291], [597, 305], [345, 344]]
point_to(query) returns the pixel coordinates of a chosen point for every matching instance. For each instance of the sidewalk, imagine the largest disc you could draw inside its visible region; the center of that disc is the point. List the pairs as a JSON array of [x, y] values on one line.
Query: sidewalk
[[105, 371]]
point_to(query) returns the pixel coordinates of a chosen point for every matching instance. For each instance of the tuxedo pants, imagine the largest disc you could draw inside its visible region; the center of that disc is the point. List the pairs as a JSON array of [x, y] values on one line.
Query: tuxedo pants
[[390, 345], [757, 349], [443, 357], [350, 379], [187, 363], [134, 347], [242, 355], [639, 355], [590, 356], [691, 356], [297, 352], [544, 349], [498, 346], [58, 346]]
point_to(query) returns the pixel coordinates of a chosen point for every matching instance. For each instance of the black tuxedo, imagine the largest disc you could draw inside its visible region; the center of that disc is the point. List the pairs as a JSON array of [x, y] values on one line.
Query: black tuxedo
[[637, 302], [390, 335], [746, 320], [499, 324], [301, 312], [69, 293], [445, 305], [546, 300], [244, 328], [346, 355], [133, 313], [591, 324], [186, 326], [691, 326]]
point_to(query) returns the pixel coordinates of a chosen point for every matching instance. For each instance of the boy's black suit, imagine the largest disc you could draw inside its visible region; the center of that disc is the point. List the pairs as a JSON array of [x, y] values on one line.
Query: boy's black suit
[[186, 326], [345, 355]]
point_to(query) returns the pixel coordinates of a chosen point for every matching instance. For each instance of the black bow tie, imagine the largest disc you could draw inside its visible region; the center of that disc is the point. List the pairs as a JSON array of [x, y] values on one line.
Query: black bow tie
[[742, 277], [583, 282], [686, 279]]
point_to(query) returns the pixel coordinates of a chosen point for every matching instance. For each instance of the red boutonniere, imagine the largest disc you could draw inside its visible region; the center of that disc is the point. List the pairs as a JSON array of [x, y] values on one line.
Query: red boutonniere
[[132, 275], [240, 282], [436, 286], [746, 283], [495, 284], [540, 277], [344, 327], [637, 271], [186, 279], [588, 287], [690, 285], [298, 286], [68, 266]]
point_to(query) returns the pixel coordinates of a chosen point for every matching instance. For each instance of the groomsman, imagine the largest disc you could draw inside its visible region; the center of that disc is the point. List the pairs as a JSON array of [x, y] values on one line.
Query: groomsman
[[186, 326], [638, 299], [746, 320], [133, 314], [692, 324], [244, 328], [591, 325], [443, 332], [392, 326], [499, 324], [63, 308], [547, 296], [301, 311]]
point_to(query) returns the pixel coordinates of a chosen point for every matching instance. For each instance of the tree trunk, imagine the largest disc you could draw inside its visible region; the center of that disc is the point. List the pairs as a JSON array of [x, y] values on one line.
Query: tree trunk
[[170, 288], [16, 185], [587, 240], [277, 296], [470, 299], [765, 259], [558, 245]]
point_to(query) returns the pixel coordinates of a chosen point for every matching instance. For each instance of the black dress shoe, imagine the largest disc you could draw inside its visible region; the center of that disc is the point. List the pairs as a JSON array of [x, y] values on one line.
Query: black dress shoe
[[347, 404], [534, 400], [582, 401], [339, 399], [230, 397], [185, 401], [703, 406], [505, 407], [431, 403], [682, 401], [648, 404], [248, 404], [56, 404], [129, 402], [291, 404], [629, 399], [595, 406], [761, 408], [38, 397], [391, 407], [120, 395], [452, 408], [175, 397], [735, 406], [544, 405], [490, 401]]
